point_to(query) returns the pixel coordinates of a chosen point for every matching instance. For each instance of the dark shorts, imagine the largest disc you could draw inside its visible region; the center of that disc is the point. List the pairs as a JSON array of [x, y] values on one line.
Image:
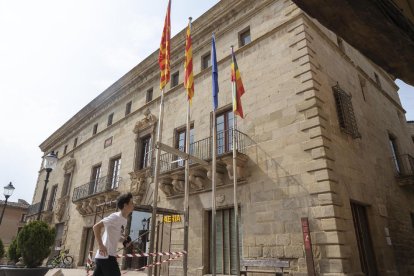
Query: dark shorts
[[107, 267]]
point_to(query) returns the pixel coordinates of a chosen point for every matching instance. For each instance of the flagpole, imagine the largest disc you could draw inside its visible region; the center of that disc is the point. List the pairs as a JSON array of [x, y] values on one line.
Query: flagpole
[[215, 90], [157, 172], [187, 182], [236, 207], [213, 196]]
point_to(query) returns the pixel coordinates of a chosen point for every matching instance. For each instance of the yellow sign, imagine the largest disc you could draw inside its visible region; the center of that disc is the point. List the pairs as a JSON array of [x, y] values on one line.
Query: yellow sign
[[173, 218]]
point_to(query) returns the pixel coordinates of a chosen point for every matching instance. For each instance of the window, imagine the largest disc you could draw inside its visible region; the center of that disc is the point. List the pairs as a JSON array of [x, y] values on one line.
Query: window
[[95, 129], [412, 138], [174, 79], [110, 119], [363, 236], [67, 178], [149, 95], [394, 153], [225, 242], [52, 198], [75, 142], [23, 218], [180, 141], [145, 153], [94, 186], [206, 61], [224, 125], [345, 111], [115, 168], [65, 149], [244, 37], [128, 108], [377, 79]]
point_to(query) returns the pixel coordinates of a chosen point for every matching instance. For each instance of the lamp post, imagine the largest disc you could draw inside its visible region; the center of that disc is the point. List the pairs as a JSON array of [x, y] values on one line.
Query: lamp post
[[8, 191], [49, 164]]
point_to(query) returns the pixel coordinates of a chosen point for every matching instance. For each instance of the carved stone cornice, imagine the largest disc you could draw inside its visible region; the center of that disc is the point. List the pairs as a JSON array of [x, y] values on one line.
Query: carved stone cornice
[[241, 162], [69, 165], [61, 206], [139, 184], [220, 174], [87, 206], [47, 216]]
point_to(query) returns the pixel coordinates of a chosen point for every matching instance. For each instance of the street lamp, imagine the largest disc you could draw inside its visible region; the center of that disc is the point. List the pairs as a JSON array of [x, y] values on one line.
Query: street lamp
[[8, 191], [49, 164]]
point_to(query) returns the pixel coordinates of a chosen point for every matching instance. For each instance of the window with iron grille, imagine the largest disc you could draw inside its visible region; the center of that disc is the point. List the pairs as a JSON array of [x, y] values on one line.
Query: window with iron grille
[[345, 111]]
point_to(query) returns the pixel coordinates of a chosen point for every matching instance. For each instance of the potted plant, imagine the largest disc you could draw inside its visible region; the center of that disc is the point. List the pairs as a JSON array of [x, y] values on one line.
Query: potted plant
[[33, 243]]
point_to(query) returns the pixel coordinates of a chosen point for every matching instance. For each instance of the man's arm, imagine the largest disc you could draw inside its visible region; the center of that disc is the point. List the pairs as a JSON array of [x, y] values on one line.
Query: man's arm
[[97, 230]]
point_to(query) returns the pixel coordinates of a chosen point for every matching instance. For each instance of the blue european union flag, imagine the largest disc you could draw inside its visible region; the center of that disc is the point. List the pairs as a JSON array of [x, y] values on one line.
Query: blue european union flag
[[214, 75]]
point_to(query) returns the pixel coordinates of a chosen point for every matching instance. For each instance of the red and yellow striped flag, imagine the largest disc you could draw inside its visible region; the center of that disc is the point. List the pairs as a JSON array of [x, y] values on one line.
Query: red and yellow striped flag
[[239, 89], [188, 65], [164, 54]]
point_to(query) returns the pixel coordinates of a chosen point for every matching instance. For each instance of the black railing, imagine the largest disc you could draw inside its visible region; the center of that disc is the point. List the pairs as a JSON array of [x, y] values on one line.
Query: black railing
[[202, 149], [404, 165], [97, 186], [33, 209]]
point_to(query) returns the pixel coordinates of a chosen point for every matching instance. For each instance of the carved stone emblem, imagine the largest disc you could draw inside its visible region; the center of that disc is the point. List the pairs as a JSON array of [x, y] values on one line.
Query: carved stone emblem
[[148, 121]]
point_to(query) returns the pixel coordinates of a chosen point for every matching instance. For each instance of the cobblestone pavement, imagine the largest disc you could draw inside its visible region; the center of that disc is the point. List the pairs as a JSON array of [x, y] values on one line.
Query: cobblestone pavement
[[82, 272]]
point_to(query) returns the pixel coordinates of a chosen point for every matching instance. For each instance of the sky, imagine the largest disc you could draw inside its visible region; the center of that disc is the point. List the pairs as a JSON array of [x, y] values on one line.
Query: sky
[[56, 56]]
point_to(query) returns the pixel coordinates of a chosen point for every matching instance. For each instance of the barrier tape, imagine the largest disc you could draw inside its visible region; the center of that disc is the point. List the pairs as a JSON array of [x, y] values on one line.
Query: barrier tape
[[175, 255], [137, 255], [157, 263]]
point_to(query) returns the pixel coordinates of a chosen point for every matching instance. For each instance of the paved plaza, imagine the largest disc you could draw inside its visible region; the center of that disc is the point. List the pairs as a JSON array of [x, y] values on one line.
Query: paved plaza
[[82, 272]]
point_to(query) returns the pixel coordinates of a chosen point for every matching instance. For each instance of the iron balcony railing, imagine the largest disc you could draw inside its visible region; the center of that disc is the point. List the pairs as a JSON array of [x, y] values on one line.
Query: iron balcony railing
[[100, 185], [403, 165], [202, 149], [33, 209]]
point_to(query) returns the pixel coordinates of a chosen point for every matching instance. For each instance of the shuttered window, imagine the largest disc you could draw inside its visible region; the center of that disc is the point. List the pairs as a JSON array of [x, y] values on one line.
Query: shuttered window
[[225, 242]]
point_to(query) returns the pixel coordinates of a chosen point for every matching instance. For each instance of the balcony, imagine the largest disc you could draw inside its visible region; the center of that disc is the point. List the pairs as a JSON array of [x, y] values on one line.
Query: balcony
[[101, 190], [172, 166], [404, 169]]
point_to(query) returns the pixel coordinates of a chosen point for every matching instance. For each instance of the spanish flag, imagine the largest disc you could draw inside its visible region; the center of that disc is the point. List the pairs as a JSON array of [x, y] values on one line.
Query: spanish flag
[[188, 65], [164, 54], [238, 85]]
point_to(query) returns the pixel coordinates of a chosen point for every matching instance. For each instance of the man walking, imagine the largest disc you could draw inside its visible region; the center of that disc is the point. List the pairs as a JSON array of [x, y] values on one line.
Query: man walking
[[114, 226]]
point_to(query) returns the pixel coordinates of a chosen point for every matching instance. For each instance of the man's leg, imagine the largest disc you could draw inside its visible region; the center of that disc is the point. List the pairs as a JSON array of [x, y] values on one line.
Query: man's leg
[[110, 267], [98, 268]]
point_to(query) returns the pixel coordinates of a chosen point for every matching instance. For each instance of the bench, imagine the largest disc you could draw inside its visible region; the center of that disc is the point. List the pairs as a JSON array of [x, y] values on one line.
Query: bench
[[270, 266]]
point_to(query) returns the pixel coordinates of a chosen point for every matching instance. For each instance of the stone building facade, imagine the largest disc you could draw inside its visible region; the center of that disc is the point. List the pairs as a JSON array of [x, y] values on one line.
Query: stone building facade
[[324, 138], [14, 218]]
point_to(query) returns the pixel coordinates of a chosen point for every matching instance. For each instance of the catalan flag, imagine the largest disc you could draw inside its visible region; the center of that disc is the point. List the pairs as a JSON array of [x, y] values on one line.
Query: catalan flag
[[238, 84], [164, 54], [188, 65]]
